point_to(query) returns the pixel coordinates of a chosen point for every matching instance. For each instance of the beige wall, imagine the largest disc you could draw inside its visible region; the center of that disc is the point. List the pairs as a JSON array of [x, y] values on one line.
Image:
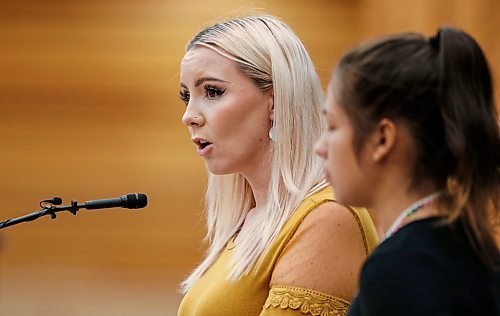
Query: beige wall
[[89, 109]]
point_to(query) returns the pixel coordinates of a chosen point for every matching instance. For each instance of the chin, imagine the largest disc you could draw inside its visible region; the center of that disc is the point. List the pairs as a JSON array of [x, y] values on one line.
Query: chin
[[218, 169], [339, 194], [348, 199], [218, 173]]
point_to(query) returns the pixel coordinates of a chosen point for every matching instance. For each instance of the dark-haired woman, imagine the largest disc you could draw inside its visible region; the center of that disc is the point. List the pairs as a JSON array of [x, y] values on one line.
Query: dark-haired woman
[[414, 135]]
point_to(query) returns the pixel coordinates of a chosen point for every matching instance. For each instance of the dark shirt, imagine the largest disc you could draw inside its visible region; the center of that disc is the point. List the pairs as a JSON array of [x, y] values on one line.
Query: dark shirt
[[426, 268]]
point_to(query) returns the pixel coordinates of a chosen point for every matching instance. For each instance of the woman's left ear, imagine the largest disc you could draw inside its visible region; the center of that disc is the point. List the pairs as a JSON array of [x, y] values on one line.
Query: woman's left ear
[[271, 105], [383, 139]]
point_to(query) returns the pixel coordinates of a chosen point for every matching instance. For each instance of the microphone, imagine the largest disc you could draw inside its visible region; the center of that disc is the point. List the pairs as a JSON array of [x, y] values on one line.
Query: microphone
[[130, 201], [54, 201]]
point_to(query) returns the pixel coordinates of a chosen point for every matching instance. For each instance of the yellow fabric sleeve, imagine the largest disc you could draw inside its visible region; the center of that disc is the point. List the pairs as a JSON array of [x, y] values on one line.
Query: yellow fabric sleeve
[[293, 301]]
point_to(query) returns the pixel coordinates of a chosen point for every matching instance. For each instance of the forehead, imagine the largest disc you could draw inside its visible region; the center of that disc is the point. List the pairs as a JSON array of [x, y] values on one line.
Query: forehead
[[330, 100], [202, 61]]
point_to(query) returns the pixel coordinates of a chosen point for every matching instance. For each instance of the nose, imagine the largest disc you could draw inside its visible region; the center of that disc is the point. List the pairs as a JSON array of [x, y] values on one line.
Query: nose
[[192, 118], [320, 148]]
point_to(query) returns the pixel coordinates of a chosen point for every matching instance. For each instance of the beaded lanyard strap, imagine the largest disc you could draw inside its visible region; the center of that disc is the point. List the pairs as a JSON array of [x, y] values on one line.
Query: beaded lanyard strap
[[409, 211]]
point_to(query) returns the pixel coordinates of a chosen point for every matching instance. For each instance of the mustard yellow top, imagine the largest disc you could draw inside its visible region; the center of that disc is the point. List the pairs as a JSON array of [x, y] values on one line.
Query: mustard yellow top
[[252, 294]]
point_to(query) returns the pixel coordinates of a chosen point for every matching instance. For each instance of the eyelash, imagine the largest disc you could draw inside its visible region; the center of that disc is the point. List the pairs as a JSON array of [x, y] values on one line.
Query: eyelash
[[211, 93], [184, 96]]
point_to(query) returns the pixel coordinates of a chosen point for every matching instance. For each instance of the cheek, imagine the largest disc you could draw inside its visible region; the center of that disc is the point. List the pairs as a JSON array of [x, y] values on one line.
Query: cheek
[[339, 156], [240, 126], [224, 118], [244, 115]]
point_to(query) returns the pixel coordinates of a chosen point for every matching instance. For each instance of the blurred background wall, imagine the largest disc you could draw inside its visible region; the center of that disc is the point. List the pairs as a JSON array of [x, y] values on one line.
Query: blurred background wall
[[89, 109]]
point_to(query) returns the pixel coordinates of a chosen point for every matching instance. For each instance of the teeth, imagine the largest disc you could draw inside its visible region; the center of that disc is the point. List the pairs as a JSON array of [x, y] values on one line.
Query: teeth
[[203, 142]]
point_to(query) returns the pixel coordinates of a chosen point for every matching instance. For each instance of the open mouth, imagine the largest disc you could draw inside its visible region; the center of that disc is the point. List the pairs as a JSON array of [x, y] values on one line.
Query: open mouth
[[202, 144]]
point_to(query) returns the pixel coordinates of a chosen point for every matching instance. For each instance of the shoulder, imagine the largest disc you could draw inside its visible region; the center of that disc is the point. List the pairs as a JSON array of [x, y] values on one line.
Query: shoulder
[[325, 253], [321, 209], [332, 225], [404, 283]]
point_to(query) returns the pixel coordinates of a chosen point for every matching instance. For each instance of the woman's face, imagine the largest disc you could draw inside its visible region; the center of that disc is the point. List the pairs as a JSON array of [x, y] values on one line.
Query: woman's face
[[342, 168], [228, 117]]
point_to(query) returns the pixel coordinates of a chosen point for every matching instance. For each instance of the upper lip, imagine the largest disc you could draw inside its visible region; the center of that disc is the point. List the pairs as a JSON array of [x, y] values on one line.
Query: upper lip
[[199, 141]]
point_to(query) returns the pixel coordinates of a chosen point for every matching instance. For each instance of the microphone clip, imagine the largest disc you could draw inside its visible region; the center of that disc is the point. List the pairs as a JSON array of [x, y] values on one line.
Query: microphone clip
[[50, 206], [74, 207]]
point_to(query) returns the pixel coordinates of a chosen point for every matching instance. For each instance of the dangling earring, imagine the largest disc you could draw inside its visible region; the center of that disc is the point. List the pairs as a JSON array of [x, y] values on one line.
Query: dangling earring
[[272, 135]]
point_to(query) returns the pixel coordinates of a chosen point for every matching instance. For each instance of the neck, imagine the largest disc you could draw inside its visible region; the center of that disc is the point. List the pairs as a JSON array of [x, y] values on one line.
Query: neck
[[259, 182], [390, 206]]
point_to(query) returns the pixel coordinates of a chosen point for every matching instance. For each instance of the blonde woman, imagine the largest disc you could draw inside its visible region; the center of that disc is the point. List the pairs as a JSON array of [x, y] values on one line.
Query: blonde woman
[[278, 242]]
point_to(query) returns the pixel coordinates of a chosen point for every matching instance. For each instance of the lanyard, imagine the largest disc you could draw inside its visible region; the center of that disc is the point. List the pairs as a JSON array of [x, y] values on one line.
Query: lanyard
[[407, 212]]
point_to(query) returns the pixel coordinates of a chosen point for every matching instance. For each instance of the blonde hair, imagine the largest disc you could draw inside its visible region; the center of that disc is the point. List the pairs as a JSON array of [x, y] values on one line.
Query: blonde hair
[[271, 55]]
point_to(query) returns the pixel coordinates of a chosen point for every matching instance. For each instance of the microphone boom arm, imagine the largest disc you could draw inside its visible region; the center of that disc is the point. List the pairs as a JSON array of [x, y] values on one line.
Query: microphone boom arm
[[131, 201], [46, 210]]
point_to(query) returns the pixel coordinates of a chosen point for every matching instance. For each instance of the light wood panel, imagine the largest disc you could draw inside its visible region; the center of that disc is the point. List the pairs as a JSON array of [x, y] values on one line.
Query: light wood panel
[[89, 109]]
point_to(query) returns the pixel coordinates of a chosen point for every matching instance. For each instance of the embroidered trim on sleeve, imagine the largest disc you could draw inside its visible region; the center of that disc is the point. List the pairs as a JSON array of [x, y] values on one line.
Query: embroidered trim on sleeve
[[309, 302]]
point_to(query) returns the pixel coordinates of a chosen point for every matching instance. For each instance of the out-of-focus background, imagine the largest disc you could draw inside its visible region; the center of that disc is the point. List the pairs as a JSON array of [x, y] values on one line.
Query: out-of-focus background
[[89, 109]]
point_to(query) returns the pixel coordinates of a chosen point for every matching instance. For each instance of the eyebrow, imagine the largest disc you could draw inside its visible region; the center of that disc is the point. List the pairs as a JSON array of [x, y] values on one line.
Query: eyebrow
[[205, 79]]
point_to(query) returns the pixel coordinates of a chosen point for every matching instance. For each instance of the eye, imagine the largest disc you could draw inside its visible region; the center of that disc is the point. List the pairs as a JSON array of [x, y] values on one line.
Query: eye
[[331, 127], [184, 96], [212, 92]]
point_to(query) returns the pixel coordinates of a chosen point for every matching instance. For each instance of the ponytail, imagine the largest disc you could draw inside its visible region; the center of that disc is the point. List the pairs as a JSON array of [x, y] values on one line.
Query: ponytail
[[472, 137], [441, 88]]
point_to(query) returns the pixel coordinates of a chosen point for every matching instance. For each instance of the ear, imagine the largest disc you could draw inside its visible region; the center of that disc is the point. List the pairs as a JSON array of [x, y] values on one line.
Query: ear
[[271, 104], [383, 139]]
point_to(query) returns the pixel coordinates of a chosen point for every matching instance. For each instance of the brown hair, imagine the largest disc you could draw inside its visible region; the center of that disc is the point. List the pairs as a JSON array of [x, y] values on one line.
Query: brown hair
[[441, 89]]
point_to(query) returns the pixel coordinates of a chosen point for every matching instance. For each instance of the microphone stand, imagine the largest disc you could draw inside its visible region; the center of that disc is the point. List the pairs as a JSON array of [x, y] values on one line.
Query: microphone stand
[[130, 201], [47, 209]]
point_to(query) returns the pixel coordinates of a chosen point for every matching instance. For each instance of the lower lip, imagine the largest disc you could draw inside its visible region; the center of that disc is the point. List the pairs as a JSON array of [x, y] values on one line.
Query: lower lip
[[203, 151]]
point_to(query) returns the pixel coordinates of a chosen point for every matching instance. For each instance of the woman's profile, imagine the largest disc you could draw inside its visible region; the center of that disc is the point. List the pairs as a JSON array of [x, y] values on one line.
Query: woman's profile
[[414, 136], [278, 241]]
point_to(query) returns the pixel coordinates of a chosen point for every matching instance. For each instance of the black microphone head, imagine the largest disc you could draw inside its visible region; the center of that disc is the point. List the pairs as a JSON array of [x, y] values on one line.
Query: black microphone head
[[136, 200], [55, 201]]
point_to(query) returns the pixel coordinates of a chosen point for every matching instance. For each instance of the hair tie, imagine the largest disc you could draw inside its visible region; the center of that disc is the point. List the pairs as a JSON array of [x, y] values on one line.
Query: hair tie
[[434, 41]]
